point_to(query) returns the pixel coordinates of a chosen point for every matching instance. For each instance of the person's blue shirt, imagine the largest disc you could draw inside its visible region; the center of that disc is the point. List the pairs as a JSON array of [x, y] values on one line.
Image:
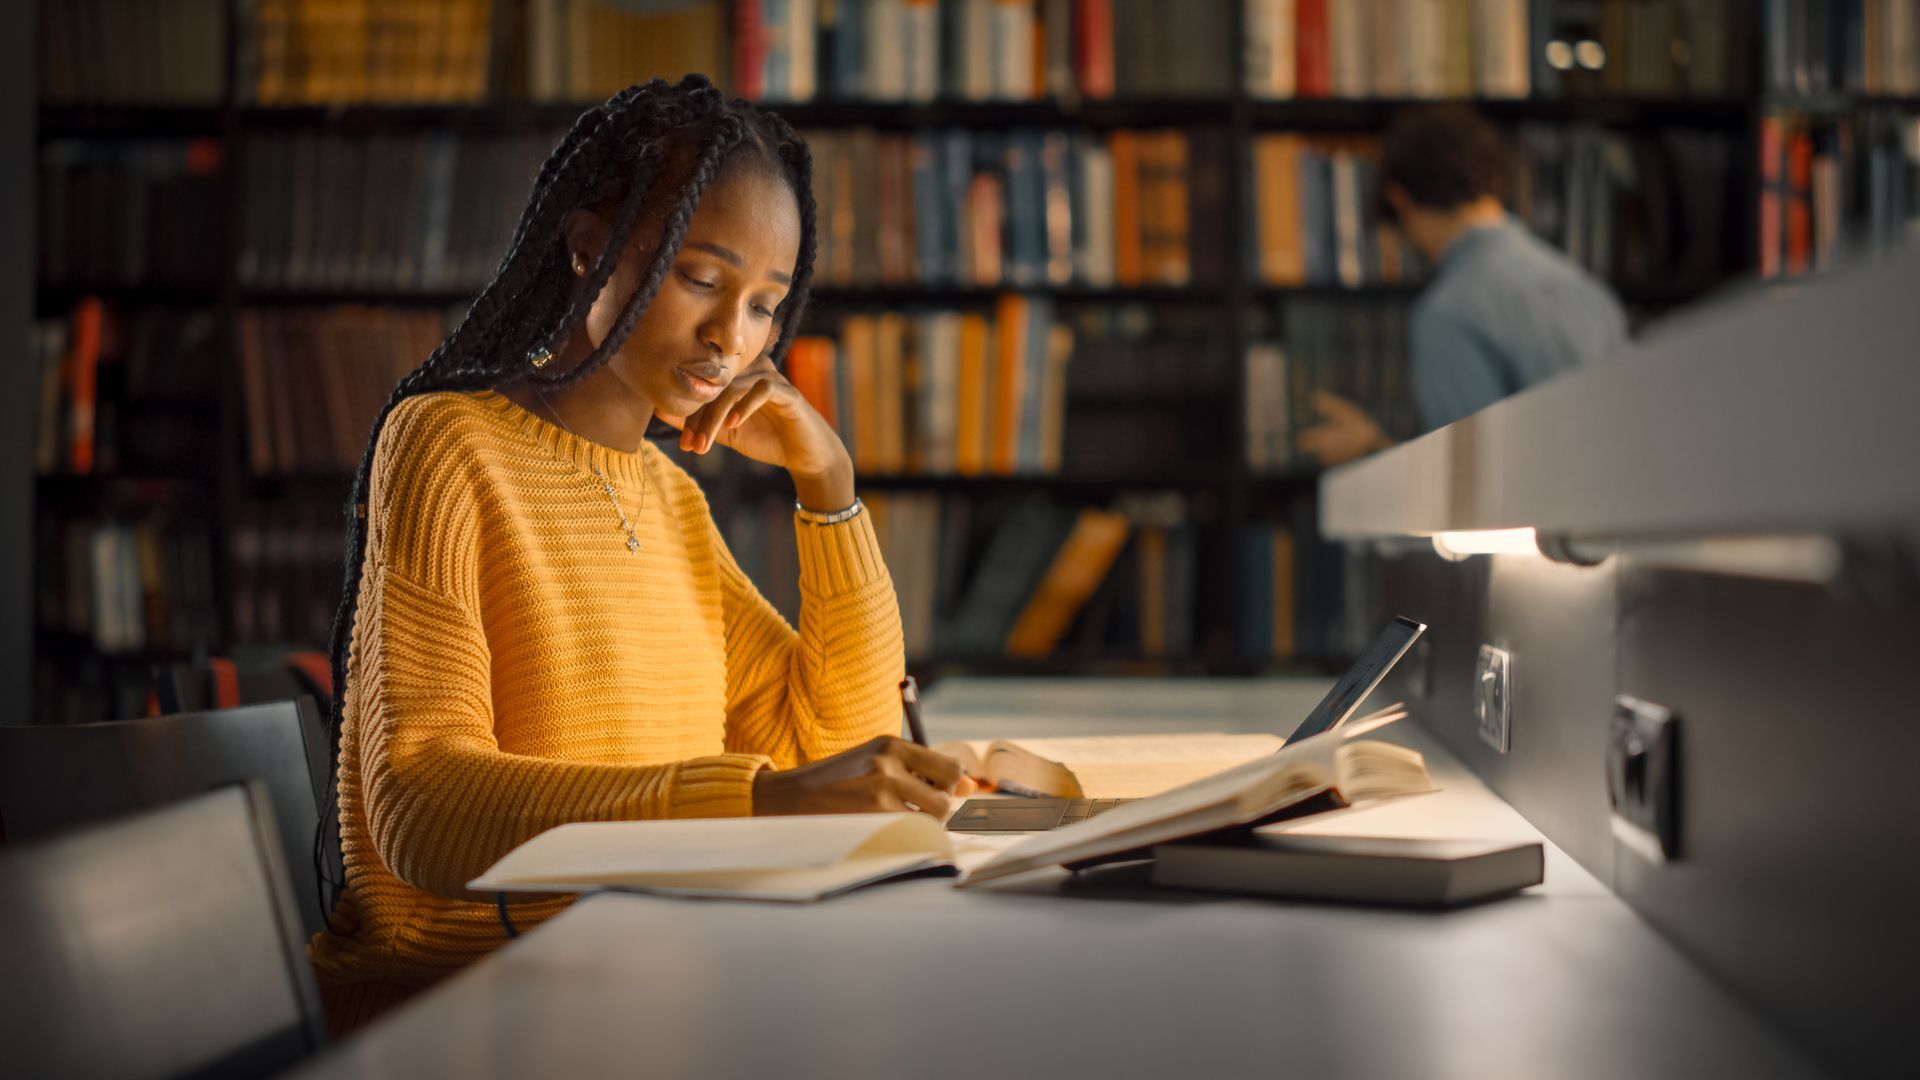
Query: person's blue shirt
[[1504, 312]]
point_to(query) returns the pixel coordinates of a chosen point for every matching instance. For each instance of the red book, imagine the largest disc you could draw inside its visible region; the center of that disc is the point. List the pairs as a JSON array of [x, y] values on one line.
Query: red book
[[82, 365], [1799, 197], [1093, 47], [749, 50], [1313, 73]]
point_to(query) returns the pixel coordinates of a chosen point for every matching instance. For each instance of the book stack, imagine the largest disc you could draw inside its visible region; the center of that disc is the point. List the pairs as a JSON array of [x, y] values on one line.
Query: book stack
[[126, 583], [1355, 347], [123, 52], [1633, 208], [1313, 210], [1387, 48], [315, 380], [1022, 208], [589, 50], [1828, 185], [979, 50], [393, 211], [1823, 46], [130, 212], [120, 389], [943, 392], [329, 52]]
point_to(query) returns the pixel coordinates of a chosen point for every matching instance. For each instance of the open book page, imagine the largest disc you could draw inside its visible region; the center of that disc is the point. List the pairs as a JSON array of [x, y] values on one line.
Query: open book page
[[720, 854], [1242, 795], [1128, 766]]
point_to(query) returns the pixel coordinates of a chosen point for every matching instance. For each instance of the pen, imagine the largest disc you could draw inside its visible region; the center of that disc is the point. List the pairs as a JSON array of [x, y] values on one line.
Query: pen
[[910, 702]]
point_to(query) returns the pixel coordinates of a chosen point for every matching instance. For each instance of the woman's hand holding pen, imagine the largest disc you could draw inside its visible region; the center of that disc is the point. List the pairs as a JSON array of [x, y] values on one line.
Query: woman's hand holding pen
[[761, 415], [883, 774]]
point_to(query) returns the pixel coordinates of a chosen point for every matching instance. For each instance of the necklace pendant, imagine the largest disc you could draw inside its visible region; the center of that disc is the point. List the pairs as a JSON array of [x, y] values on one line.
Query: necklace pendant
[[633, 543]]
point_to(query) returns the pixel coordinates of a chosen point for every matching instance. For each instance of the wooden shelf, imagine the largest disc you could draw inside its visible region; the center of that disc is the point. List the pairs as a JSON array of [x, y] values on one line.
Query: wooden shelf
[[145, 121], [1355, 113]]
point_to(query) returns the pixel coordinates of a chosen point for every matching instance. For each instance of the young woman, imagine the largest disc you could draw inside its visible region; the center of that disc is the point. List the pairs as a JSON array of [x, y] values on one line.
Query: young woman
[[541, 623]]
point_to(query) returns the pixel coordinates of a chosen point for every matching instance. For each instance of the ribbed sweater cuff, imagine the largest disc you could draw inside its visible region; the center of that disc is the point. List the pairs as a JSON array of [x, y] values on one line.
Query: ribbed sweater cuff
[[719, 786], [839, 559]]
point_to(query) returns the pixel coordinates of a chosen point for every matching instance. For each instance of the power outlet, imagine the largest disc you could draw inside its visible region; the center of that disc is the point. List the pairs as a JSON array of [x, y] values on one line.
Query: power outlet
[[1493, 697], [1643, 778]]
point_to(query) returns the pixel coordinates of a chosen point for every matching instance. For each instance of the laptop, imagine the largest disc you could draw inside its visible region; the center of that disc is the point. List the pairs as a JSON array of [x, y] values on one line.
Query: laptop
[[1039, 815]]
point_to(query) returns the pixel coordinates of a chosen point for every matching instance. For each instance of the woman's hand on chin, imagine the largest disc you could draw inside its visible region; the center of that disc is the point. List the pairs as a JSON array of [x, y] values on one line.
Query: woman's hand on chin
[[761, 415]]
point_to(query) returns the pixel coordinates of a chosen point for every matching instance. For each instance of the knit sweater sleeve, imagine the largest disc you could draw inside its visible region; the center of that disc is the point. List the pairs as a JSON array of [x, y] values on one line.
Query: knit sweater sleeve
[[833, 684], [443, 800]]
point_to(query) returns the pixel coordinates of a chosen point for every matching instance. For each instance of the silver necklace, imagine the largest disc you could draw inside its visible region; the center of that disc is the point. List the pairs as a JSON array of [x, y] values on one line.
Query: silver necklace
[[633, 538]]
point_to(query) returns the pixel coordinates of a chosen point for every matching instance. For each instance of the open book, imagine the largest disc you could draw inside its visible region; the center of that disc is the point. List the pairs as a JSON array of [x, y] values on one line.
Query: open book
[[1327, 772], [770, 858], [1105, 766]]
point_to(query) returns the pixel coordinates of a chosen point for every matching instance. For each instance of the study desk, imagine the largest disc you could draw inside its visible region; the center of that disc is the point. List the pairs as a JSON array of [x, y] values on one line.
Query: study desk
[[1096, 975]]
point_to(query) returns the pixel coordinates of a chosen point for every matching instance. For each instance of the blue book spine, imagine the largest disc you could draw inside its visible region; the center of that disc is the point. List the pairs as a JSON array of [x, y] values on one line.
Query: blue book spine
[[957, 175], [932, 209], [1316, 217], [777, 80], [849, 45], [1032, 379], [1256, 596], [1026, 209]]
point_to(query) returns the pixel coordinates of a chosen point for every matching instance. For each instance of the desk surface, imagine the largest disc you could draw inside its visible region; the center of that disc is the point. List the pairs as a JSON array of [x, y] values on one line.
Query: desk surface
[[1094, 975]]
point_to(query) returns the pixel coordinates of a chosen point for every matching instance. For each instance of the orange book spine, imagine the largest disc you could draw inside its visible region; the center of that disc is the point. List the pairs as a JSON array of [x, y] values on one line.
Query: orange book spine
[[83, 372], [1128, 263], [1076, 571], [1010, 329], [969, 414]]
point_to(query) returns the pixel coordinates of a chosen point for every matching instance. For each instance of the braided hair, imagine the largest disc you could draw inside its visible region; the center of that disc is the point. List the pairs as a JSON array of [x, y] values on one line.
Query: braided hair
[[609, 161]]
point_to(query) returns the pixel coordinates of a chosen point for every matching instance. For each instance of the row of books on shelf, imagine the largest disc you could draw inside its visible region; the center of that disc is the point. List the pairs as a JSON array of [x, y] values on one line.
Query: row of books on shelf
[[1020, 208], [943, 392], [1030, 579], [1632, 207], [341, 51], [127, 585], [314, 380], [1849, 46], [979, 50], [1353, 348], [130, 212], [1829, 186], [1313, 221], [1300, 596], [1387, 48], [153, 52], [124, 388], [414, 210]]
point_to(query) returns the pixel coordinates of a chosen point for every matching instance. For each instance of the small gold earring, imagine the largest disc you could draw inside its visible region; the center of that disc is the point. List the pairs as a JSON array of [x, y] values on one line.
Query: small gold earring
[[539, 357], [579, 266]]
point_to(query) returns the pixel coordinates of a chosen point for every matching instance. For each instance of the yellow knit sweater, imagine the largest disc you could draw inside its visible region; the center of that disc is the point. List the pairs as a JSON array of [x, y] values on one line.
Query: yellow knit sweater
[[515, 667]]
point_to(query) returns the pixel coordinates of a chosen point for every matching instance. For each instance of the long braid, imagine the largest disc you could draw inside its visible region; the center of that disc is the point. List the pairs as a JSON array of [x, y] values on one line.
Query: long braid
[[534, 301]]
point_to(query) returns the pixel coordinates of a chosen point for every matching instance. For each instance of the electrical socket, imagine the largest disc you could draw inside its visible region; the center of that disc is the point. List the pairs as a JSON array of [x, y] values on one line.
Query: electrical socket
[[1643, 778], [1493, 697]]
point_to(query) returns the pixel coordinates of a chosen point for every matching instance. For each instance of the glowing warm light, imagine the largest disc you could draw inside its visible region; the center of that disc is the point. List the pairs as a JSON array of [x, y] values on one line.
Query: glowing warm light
[[1591, 54], [1560, 55], [1459, 545]]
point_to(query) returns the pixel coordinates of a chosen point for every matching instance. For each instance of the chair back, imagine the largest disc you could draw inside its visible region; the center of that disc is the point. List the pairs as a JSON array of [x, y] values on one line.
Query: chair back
[[53, 777], [161, 945]]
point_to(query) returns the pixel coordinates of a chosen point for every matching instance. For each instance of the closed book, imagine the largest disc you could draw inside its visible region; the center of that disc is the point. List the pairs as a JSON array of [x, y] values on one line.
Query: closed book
[[1375, 870]]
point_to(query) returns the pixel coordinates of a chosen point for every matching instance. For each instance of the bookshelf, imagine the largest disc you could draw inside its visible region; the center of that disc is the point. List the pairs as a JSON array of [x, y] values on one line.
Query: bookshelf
[[267, 529]]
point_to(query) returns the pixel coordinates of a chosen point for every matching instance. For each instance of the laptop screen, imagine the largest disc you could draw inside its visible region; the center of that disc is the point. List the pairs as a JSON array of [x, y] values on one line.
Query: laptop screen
[[1360, 679]]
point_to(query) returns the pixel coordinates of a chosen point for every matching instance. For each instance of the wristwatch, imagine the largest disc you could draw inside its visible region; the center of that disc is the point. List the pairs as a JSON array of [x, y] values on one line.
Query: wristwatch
[[816, 517]]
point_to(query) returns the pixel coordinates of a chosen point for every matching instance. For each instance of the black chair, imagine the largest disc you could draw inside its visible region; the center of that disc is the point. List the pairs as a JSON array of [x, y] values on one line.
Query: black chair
[[161, 945], [56, 776]]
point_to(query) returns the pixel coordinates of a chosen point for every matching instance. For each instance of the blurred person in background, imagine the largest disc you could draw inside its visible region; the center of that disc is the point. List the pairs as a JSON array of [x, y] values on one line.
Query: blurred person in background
[[1503, 311]]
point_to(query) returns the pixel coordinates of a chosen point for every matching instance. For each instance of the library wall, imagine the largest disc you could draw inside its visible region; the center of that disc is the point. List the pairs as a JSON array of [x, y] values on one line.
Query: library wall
[[1084, 265]]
